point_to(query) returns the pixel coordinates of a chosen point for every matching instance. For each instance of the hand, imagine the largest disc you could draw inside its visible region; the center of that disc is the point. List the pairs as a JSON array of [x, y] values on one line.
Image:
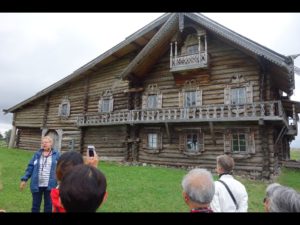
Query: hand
[[93, 161], [22, 185]]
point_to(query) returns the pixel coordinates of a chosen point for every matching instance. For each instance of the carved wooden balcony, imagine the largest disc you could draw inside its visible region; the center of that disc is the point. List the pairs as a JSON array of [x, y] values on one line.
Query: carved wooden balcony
[[188, 62], [272, 111]]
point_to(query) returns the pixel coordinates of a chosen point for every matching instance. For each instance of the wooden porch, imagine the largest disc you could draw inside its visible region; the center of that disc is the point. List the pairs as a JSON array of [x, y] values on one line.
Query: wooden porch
[[271, 110]]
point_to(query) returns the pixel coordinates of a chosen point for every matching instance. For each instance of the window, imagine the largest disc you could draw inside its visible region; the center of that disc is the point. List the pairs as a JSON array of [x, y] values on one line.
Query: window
[[106, 102], [192, 142], [192, 49], [64, 108], [152, 140], [152, 97], [105, 105], [238, 96], [238, 142], [189, 99], [152, 102]]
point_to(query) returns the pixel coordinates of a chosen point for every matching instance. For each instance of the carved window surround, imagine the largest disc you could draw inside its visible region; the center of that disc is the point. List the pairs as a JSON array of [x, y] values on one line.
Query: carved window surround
[[190, 88], [229, 143], [152, 97], [191, 142], [146, 143], [106, 102]]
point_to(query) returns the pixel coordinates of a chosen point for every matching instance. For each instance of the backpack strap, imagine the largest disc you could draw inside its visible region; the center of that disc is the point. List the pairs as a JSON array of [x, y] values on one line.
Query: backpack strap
[[230, 193]]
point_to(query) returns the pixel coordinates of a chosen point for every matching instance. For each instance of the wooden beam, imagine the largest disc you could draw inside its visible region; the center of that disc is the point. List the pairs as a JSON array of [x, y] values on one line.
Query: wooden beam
[[168, 132], [132, 90], [211, 127]]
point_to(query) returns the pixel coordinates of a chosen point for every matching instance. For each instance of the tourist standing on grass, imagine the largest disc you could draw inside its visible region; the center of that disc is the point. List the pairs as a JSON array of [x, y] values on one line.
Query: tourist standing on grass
[[41, 170], [198, 190], [230, 195]]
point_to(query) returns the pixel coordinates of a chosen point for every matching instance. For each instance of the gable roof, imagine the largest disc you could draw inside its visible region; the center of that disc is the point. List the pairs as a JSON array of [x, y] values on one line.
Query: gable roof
[[155, 37]]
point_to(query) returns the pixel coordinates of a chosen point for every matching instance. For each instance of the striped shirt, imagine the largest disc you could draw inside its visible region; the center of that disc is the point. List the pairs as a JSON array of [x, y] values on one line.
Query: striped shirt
[[44, 170]]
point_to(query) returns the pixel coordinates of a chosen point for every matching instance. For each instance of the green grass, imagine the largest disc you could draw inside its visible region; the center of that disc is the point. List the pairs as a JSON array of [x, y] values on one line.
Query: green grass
[[130, 188], [295, 153]]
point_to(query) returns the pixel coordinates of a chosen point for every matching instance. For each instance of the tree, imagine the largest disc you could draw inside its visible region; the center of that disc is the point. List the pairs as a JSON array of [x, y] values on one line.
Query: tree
[[1, 136], [7, 135]]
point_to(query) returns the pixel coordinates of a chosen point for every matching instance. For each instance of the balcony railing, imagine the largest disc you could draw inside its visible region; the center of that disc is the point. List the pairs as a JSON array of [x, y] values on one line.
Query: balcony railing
[[185, 62], [271, 110]]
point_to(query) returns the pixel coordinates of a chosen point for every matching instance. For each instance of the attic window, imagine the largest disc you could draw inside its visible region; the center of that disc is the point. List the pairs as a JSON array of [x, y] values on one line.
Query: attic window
[[64, 108]]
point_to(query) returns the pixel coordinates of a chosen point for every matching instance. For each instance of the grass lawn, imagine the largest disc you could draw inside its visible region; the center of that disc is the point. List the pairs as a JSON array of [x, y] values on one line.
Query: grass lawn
[[130, 188], [295, 153]]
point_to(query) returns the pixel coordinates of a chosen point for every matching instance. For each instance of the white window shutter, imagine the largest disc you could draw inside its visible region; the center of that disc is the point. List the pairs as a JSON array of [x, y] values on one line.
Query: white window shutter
[[251, 143], [159, 101], [227, 142], [249, 93], [144, 101], [59, 109], [198, 97], [111, 104], [227, 96], [100, 105], [181, 98]]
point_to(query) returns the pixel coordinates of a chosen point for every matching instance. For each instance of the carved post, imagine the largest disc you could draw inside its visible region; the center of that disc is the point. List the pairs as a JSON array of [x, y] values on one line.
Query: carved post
[[199, 48], [171, 54], [205, 48], [175, 63]]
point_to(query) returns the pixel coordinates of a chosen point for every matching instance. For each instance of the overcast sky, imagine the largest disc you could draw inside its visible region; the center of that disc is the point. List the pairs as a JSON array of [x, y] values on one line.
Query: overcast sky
[[38, 49]]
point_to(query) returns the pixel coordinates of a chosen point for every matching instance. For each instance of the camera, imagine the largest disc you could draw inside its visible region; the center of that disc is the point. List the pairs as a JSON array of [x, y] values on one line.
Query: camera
[[91, 150]]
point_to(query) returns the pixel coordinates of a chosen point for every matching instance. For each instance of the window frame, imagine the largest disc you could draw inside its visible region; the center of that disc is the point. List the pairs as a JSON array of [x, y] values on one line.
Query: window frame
[[64, 108], [183, 141]]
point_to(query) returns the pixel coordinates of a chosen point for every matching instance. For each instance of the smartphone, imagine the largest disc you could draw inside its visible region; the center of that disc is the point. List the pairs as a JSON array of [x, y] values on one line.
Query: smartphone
[[91, 150]]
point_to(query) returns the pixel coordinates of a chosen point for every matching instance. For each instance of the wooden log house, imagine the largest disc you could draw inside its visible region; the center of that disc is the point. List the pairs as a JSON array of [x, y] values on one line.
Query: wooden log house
[[180, 91]]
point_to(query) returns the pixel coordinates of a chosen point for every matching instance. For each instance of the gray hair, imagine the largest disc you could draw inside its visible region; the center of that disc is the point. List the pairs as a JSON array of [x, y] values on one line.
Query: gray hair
[[283, 199], [199, 185]]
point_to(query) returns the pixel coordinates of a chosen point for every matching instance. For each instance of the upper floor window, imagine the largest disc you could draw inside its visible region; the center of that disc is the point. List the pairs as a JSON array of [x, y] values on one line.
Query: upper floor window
[[106, 102], [192, 49], [152, 97], [190, 95], [64, 108], [152, 101], [238, 91], [238, 96], [190, 99]]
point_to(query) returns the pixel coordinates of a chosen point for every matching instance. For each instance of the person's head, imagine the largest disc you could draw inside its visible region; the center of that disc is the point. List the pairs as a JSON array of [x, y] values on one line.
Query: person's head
[[281, 199], [83, 189], [47, 142], [198, 188], [67, 161], [225, 164]]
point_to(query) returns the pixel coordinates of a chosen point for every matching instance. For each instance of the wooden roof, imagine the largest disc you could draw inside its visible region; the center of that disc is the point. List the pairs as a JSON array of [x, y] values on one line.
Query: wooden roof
[[152, 41]]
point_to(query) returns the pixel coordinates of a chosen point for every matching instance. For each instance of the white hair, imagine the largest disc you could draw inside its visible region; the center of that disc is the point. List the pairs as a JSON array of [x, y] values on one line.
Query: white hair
[[199, 185]]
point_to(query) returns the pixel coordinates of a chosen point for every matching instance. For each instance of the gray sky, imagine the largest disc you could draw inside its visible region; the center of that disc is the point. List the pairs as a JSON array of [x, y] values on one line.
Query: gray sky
[[38, 49]]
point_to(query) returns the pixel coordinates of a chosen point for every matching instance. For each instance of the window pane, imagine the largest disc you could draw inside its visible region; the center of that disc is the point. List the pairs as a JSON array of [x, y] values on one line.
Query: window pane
[[239, 142], [105, 105], [238, 95], [193, 49], [152, 101], [190, 99], [64, 109], [192, 142], [152, 140]]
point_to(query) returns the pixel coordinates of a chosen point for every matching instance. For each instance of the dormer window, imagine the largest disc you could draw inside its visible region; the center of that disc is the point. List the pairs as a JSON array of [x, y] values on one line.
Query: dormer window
[[64, 108], [106, 102]]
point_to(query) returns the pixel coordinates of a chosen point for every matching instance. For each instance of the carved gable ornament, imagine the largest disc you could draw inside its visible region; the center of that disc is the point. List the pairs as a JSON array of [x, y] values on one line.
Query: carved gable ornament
[[237, 79]]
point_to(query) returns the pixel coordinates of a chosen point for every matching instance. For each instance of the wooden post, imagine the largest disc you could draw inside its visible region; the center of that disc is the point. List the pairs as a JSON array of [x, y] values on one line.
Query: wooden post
[[175, 62], [171, 54], [199, 48]]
